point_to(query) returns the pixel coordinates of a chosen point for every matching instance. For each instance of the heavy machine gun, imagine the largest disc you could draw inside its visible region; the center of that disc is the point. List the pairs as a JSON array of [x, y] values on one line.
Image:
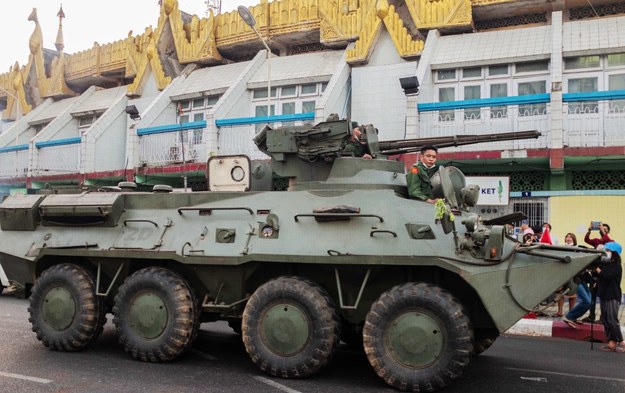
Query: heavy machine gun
[[308, 153]]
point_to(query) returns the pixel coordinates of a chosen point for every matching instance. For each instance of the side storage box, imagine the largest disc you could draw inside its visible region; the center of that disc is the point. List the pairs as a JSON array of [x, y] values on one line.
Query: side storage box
[[20, 212]]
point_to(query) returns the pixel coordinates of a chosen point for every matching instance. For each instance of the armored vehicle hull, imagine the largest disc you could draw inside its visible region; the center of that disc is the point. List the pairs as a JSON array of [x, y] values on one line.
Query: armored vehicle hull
[[343, 255], [292, 278]]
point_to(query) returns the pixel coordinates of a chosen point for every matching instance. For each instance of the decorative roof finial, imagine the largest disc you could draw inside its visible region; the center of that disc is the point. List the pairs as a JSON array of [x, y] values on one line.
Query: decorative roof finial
[[59, 35]]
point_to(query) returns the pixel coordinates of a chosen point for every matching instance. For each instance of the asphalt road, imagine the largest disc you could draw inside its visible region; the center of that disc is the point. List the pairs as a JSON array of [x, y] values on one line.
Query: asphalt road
[[218, 363]]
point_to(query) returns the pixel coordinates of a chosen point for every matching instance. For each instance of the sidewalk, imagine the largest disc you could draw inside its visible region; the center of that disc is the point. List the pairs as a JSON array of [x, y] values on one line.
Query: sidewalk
[[547, 326]]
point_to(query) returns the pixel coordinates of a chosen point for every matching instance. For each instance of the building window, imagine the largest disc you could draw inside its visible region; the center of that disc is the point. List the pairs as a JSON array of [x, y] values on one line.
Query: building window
[[310, 89], [184, 105], [87, 121], [473, 72], [39, 127], [472, 93], [262, 93], [446, 94], [288, 108], [496, 70], [498, 90], [211, 101], [446, 75], [308, 106], [532, 66], [288, 91], [583, 85], [198, 103], [616, 59], [261, 110], [535, 211], [576, 63], [529, 88]]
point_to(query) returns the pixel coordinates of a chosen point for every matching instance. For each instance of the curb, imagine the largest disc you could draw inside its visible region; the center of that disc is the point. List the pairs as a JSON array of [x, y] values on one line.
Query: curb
[[557, 328]]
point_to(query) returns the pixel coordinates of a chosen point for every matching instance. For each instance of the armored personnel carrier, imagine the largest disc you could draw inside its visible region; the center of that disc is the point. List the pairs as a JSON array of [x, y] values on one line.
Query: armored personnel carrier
[[342, 255]]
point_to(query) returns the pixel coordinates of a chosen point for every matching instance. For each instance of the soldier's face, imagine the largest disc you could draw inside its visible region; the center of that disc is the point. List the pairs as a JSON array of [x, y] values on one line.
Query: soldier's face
[[428, 158]]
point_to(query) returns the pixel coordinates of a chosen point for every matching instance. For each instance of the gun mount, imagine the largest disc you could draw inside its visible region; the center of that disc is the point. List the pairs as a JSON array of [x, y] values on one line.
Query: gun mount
[[309, 153]]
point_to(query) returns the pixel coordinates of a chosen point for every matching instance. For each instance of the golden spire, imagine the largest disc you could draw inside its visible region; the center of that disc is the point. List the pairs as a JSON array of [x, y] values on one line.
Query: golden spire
[[59, 35]]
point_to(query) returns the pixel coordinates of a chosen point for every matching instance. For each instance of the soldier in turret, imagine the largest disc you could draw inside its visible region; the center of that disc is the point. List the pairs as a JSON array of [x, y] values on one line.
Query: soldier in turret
[[355, 145], [418, 177]]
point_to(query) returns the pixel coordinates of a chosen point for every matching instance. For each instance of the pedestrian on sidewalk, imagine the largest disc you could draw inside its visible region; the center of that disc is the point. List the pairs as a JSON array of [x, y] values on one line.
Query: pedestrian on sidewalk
[[570, 240], [584, 280], [609, 291], [604, 234], [598, 243]]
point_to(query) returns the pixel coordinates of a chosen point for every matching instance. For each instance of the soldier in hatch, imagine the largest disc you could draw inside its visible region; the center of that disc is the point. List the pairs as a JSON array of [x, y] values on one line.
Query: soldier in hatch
[[356, 146], [418, 177]]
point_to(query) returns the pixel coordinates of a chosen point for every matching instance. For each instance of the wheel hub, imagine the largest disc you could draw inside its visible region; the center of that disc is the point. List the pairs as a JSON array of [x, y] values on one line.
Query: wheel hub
[[148, 315], [415, 339], [59, 308], [285, 329]]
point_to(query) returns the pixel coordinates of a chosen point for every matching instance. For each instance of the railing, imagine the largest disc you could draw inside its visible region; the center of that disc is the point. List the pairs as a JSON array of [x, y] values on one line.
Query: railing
[[14, 162], [172, 147], [172, 144], [236, 135], [57, 157], [589, 119], [487, 120], [594, 123]]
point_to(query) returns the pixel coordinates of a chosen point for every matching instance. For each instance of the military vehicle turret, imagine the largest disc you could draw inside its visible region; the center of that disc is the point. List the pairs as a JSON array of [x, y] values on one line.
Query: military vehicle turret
[[343, 255]]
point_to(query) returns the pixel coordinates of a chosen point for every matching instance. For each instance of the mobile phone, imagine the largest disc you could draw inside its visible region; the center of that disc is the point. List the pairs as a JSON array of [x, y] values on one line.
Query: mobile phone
[[595, 225]]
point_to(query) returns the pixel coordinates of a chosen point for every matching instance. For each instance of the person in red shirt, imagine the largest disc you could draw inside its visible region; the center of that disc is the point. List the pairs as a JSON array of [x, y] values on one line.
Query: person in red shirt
[[604, 230]]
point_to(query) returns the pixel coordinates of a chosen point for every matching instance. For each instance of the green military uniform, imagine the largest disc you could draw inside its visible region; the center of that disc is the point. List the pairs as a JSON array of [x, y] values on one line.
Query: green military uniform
[[356, 149], [418, 179]]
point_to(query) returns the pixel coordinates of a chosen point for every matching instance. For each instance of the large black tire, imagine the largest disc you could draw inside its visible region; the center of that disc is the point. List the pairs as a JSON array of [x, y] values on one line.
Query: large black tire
[[65, 312], [290, 327], [418, 338], [156, 315]]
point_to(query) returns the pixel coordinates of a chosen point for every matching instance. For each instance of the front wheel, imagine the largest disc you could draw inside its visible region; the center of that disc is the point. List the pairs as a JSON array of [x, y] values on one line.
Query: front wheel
[[418, 338], [155, 314], [65, 312], [290, 327]]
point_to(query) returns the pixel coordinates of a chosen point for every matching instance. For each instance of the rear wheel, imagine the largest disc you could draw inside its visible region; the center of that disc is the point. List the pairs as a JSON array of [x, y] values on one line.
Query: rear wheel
[[290, 327], [417, 337], [156, 315], [65, 313]]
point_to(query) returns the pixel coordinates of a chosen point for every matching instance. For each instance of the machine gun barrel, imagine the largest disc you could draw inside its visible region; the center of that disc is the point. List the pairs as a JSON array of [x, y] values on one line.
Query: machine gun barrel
[[413, 145]]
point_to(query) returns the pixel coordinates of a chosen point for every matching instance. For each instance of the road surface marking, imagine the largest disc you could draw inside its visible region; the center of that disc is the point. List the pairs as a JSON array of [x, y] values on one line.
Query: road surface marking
[[202, 354], [25, 377], [567, 374], [536, 379], [276, 385]]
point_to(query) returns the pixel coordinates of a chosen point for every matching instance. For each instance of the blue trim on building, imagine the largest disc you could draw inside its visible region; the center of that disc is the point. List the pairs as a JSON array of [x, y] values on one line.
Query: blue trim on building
[[484, 102], [13, 148], [194, 125], [520, 100], [594, 96], [264, 119], [57, 142]]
